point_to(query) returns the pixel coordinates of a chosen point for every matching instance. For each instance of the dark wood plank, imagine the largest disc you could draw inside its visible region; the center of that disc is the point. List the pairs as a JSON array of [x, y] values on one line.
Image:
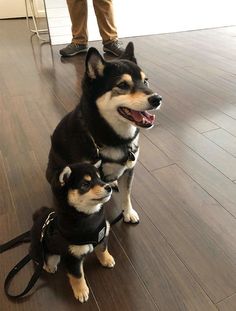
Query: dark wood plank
[[223, 139], [209, 151], [215, 183], [174, 109], [29, 189], [161, 270], [227, 304], [6, 202], [119, 288], [191, 222], [150, 156]]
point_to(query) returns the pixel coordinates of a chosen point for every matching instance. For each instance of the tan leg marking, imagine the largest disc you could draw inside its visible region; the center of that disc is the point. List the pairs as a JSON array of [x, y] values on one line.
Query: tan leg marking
[[80, 288], [105, 258]]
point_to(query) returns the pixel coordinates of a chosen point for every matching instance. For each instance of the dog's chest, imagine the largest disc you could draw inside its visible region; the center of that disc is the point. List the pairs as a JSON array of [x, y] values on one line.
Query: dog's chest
[[117, 160]]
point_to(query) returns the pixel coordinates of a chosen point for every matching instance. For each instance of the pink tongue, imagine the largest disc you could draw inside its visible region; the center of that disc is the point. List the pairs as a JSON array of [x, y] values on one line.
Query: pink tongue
[[138, 116]]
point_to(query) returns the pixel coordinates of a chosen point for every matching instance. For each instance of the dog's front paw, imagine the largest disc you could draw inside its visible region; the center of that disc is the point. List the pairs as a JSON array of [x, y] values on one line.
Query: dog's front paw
[[106, 259], [81, 293], [131, 216], [50, 269], [79, 287], [51, 263], [109, 261]]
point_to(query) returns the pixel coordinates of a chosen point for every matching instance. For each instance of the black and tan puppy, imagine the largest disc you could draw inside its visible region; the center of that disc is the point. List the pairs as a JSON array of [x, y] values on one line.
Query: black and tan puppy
[[79, 225], [114, 105]]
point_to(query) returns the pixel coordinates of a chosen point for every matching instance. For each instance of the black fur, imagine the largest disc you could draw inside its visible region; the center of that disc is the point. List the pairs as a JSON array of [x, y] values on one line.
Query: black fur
[[83, 130], [70, 226], [71, 141]]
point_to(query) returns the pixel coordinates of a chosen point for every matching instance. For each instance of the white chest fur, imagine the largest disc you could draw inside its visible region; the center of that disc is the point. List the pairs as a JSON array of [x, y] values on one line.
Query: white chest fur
[[79, 250]]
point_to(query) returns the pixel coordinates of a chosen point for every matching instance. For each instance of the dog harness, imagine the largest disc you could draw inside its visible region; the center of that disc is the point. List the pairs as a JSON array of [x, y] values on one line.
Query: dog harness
[[96, 238], [129, 151]]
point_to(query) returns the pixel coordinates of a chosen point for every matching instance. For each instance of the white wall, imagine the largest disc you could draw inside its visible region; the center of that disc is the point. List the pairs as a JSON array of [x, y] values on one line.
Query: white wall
[[8, 10], [134, 18]]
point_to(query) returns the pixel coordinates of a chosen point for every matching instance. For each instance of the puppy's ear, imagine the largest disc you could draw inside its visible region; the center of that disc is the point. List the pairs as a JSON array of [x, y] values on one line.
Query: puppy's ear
[[64, 176], [94, 63], [129, 53], [98, 163]]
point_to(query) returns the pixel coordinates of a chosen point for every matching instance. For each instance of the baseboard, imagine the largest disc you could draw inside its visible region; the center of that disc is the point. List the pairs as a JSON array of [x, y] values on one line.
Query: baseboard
[[41, 13]]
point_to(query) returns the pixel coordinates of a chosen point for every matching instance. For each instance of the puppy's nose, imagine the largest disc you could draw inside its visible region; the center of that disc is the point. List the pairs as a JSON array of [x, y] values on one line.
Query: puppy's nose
[[155, 100], [107, 188]]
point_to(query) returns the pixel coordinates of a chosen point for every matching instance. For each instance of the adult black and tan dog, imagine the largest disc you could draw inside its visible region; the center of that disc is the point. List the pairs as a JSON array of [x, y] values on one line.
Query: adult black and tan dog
[[105, 125], [78, 226]]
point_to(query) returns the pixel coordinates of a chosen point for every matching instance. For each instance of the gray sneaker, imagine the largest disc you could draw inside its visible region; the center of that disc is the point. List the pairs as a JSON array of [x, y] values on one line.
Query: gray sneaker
[[114, 48], [73, 49]]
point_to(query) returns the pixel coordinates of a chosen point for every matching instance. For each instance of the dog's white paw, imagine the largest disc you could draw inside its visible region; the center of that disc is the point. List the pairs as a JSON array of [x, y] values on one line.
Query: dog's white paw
[[50, 269], [131, 216], [105, 258], [109, 262], [82, 293], [51, 265]]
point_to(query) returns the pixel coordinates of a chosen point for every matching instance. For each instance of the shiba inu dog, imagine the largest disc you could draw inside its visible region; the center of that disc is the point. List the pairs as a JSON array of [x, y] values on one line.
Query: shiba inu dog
[[77, 227], [105, 125]]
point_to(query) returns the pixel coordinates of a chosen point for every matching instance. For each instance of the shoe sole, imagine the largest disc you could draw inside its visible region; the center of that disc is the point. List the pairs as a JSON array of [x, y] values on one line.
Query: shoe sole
[[73, 54]]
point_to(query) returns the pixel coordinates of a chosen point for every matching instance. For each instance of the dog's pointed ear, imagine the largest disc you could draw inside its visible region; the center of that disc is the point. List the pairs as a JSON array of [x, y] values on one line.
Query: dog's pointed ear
[[98, 163], [94, 63], [129, 53], [64, 176]]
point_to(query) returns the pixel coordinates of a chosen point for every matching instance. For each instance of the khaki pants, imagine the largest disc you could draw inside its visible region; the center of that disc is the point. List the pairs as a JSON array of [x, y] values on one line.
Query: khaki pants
[[104, 12]]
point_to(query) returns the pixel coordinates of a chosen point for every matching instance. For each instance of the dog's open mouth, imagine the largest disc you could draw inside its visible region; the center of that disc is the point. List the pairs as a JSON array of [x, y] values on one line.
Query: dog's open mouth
[[140, 118]]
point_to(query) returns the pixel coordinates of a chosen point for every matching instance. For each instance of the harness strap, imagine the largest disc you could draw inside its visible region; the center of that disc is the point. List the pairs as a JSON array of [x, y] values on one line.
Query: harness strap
[[15, 270]]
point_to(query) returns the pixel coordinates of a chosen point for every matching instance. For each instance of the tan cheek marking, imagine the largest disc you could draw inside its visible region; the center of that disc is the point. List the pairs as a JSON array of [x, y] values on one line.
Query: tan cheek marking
[[73, 196], [87, 178]]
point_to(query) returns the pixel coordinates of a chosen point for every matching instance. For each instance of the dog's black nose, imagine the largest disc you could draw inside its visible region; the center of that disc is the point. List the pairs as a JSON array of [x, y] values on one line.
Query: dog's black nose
[[107, 188], [155, 100]]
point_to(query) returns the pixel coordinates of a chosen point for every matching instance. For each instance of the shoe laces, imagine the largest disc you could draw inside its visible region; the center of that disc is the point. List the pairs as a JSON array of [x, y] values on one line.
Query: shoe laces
[[117, 44]]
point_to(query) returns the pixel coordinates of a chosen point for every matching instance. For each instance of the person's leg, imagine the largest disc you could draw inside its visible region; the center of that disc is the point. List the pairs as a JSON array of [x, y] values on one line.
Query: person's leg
[[78, 10], [105, 19], [78, 14]]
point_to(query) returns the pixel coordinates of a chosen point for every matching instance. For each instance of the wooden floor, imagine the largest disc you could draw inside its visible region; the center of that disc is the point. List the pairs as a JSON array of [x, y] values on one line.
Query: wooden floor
[[182, 255]]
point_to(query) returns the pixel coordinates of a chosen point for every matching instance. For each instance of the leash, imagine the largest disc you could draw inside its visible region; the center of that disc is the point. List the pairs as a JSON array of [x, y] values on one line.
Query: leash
[[22, 238], [25, 238]]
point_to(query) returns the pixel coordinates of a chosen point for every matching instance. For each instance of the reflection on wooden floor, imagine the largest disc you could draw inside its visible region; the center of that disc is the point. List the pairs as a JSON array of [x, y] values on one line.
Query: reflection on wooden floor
[[182, 255]]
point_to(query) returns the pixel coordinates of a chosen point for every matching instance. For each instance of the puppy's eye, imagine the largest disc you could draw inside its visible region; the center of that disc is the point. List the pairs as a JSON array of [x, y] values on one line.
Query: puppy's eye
[[123, 85], [145, 82], [85, 185]]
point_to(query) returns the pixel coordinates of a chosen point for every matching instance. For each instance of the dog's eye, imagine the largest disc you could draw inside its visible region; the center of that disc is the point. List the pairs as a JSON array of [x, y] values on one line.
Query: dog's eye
[[85, 185], [146, 82], [123, 85]]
